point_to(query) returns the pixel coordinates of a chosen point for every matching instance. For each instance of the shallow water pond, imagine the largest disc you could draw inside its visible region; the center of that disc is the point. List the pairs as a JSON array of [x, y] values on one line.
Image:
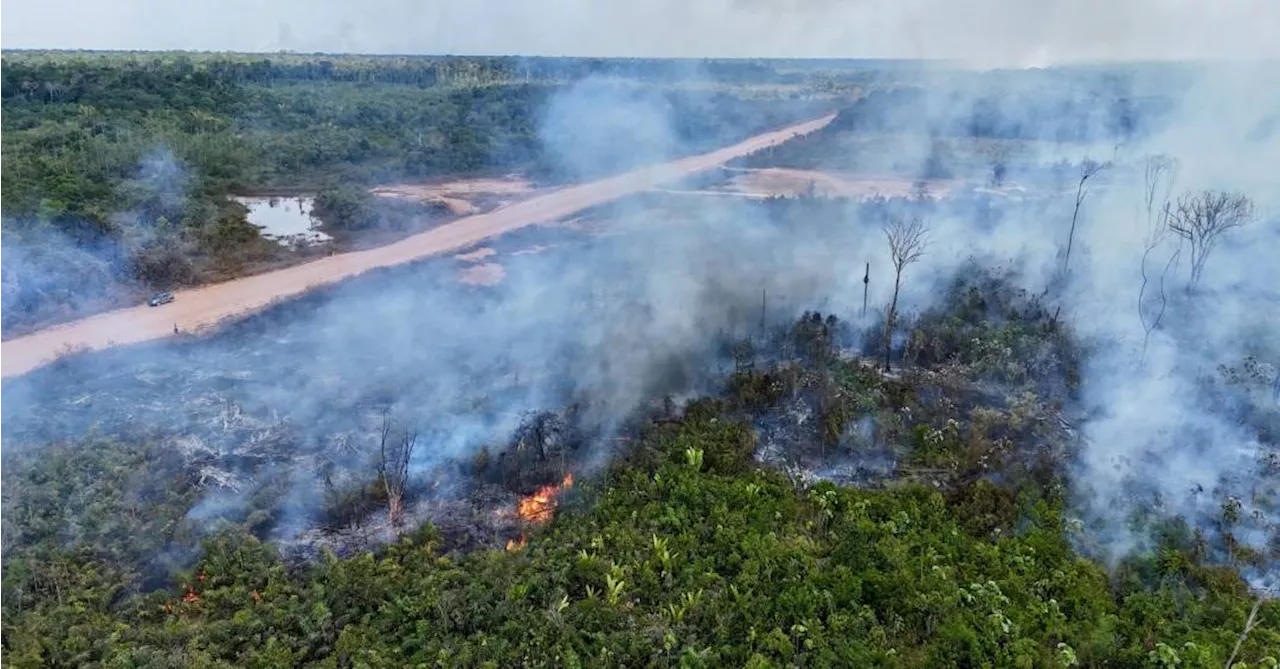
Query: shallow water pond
[[287, 220]]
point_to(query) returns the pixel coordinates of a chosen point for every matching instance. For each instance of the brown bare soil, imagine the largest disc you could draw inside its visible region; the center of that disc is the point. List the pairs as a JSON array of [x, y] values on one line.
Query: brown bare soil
[[460, 196], [205, 307], [476, 255], [537, 248], [777, 181], [483, 274], [766, 182], [773, 182]]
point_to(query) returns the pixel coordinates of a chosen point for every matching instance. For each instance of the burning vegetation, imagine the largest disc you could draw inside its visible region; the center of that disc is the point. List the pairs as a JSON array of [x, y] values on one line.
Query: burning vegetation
[[958, 455], [538, 508]]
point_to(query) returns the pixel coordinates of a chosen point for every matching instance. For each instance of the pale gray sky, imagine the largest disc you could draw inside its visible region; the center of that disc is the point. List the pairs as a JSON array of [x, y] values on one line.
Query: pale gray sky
[[997, 32]]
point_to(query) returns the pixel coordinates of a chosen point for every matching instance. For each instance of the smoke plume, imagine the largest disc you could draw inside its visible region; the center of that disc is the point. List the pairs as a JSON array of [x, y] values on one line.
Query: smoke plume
[[612, 319]]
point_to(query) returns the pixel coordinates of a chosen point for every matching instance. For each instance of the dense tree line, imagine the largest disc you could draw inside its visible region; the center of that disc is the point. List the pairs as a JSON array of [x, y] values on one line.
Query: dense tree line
[[435, 70]]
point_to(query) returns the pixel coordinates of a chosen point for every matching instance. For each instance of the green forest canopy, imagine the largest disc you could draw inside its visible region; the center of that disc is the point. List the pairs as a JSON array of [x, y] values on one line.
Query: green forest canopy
[[686, 556]]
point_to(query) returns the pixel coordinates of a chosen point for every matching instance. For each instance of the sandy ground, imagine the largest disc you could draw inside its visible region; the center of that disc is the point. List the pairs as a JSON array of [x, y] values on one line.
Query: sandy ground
[[777, 181], [780, 181], [476, 255], [459, 195], [204, 307], [483, 274], [536, 248], [761, 183], [480, 271]]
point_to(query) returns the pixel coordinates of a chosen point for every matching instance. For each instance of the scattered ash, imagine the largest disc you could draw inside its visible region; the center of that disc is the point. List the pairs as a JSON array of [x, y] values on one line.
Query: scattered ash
[[484, 519]]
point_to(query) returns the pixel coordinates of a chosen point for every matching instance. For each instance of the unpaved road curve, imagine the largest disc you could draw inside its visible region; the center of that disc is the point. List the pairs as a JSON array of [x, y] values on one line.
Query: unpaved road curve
[[205, 306]]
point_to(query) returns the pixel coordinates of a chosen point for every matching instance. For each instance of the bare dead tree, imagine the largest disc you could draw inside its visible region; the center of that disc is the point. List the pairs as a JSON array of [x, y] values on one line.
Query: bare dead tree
[[1159, 173], [1202, 218], [866, 285], [1158, 177], [906, 244], [393, 465], [998, 157], [1087, 170], [764, 310]]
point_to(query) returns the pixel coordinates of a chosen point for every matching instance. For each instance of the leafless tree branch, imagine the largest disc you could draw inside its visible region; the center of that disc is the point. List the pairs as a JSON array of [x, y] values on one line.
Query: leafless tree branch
[[394, 456], [1088, 169], [907, 240], [1202, 218], [1158, 177]]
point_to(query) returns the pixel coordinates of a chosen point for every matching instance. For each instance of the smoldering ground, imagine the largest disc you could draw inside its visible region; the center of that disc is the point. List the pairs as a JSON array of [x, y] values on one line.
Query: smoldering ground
[[276, 402], [610, 321], [278, 398], [1164, 427]]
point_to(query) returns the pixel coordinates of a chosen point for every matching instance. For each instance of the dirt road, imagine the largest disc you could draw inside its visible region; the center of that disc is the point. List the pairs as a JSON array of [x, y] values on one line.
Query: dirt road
[[202, 307]]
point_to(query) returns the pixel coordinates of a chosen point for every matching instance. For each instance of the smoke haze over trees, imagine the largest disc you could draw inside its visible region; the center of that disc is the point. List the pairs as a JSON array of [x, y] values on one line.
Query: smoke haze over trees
[[1049, 476], [83, 135]]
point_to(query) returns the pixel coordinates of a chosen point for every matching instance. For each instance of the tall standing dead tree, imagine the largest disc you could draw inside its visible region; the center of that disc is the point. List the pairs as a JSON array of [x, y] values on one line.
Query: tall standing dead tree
[[998, 157], [1087, 170], [866, 286], [906, 245], [1158, 177], [764, 311], [1202, 218], [394, 455]]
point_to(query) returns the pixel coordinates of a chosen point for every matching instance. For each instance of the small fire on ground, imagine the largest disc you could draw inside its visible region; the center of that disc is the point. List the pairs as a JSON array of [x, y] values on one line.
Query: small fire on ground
[[537, 508]]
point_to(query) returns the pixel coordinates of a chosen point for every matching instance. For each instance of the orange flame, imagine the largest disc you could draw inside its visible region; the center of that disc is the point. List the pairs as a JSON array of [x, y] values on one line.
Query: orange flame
[[537, 508]]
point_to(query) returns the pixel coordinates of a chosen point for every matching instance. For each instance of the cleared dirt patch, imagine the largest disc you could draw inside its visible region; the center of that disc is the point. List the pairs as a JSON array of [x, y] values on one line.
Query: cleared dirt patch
[[784, 182], [462, 196], [476, 255], [537, 248], [758, 183], [484, 274]]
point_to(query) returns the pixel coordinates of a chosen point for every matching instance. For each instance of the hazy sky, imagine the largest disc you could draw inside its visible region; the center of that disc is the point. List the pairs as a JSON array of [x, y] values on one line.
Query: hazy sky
[[1006, 32]]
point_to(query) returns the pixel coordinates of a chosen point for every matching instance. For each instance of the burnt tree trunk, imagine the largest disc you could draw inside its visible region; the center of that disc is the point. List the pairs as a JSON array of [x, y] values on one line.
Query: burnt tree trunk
[[890, 318]]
